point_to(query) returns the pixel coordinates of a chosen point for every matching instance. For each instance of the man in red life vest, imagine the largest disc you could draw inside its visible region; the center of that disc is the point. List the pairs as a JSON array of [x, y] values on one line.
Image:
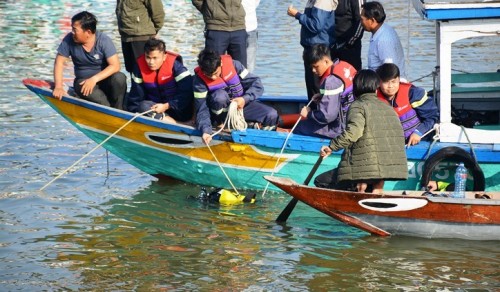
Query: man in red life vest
[[327, 119], [417, 112], [219, 81], [163, 84]]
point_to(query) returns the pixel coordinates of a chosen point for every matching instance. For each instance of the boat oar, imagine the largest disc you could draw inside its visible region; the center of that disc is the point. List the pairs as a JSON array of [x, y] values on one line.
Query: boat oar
[[291, 205], [99, 145], [358, 223]]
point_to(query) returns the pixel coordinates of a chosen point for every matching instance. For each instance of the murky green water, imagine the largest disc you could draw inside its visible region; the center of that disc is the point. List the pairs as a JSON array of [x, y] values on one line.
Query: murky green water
[[106, 226]]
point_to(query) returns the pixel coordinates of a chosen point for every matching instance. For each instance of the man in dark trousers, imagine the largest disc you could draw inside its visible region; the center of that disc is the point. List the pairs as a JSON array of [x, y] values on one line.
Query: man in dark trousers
[[225, 31], [348, 32]]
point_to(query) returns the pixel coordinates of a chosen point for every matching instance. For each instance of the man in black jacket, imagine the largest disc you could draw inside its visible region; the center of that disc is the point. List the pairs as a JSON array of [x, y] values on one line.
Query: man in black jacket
[[348, 32]]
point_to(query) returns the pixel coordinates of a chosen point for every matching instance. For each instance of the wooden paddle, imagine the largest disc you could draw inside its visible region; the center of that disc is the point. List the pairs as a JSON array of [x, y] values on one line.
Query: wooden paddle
[[291, 205], [358, 223]]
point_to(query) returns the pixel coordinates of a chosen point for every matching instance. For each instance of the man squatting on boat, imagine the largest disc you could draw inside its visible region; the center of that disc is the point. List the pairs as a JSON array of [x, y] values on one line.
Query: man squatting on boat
[[219, 81], [96, 63]]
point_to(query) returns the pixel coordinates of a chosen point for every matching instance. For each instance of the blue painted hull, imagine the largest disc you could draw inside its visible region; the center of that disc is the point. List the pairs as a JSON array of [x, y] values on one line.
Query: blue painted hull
[[162, 149]]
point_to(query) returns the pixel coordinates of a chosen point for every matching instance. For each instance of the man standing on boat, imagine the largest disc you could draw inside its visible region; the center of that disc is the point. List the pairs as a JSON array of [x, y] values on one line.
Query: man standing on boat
[[385, 46], [96, 64], [317, 27], [225, 31], [373, 143], [162, 84], [138, 21], [348, 32], [327, 120], [220, 81], [250, 7], [417, 112]]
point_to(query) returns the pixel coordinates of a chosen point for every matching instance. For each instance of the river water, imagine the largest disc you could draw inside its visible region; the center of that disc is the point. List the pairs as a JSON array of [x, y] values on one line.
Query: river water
[[107, 226]]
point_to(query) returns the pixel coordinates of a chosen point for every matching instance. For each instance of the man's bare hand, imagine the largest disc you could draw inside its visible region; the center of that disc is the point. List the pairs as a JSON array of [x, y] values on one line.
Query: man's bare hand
[[88, 86], [58, 92]]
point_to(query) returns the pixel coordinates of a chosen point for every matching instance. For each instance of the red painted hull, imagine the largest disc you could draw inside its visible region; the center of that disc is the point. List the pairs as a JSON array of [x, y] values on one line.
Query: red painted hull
[[412, 214]]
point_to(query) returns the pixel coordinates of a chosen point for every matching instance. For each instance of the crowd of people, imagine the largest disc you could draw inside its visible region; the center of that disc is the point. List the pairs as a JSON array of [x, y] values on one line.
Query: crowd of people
[[348, 104]]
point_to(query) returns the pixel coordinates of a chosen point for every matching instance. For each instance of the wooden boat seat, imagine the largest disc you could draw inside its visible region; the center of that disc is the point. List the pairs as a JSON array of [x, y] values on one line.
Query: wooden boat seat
[[475, 82]]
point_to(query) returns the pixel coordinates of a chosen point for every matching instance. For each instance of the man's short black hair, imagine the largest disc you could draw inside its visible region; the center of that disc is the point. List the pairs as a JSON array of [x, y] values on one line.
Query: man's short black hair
[[316, 53], [87, 20], [154, 45], [388, 71], [365, 81], [373, 10], [208, 60]]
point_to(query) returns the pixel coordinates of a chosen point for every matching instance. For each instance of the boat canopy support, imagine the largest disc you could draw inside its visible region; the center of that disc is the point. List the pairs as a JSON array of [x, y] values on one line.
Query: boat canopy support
[[448, 32]]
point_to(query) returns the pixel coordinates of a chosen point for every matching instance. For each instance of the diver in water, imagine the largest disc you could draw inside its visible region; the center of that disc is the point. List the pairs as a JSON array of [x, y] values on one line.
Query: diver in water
[[224, 197]]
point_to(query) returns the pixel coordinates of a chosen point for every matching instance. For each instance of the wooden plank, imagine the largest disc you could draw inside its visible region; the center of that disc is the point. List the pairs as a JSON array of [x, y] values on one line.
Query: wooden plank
[[475, 77]]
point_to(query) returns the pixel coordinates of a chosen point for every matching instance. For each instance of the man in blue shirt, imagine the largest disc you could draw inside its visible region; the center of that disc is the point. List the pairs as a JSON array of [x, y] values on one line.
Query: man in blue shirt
[[97, 67], [385, 46]]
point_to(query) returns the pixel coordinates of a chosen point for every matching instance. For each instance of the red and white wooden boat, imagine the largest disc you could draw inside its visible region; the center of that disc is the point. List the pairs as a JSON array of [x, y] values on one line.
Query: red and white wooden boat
[[410, 213]]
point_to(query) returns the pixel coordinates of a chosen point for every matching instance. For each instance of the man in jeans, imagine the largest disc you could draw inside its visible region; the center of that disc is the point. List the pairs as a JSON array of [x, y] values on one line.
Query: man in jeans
[[252, 34]]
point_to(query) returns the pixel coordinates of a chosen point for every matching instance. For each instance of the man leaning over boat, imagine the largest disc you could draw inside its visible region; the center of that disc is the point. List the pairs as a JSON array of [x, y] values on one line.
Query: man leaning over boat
[[162, 83], [220, 81], [327, 118]]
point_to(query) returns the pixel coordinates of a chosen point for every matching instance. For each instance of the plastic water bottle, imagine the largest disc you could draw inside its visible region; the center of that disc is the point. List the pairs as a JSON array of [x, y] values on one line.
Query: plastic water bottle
[[460, 180]]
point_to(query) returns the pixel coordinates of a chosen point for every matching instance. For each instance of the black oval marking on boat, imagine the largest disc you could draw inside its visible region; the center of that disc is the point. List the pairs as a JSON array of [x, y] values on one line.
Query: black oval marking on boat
[[379, 205], [168, 140]]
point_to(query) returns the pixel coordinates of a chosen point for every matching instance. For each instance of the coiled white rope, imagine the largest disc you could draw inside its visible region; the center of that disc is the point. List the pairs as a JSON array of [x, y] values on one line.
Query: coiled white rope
[[235, 118]]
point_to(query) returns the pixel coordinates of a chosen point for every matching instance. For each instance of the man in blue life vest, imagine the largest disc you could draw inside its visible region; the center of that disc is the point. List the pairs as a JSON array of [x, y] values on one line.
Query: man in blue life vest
[[328, 118], [417, 112], [219, 81], [163, 84]]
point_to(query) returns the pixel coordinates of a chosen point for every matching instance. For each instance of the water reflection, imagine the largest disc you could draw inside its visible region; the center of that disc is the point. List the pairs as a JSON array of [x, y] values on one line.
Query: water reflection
[[165, 239], [161, 239]]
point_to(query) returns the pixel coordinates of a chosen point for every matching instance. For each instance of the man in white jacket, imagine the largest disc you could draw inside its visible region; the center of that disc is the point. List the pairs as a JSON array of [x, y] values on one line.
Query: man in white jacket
[[250, 7]]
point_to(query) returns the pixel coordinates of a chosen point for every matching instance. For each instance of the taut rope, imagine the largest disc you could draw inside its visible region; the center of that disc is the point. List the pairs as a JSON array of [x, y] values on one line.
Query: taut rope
[[234, 120], [283, 148], [99, 145]]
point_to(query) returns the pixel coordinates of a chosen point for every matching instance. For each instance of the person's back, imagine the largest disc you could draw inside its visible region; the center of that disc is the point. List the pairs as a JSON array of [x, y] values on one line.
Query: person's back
[[385, 46], [138, 21], [373, 142], [317, 27], [224, 27], [348, 32], [379, 152]]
